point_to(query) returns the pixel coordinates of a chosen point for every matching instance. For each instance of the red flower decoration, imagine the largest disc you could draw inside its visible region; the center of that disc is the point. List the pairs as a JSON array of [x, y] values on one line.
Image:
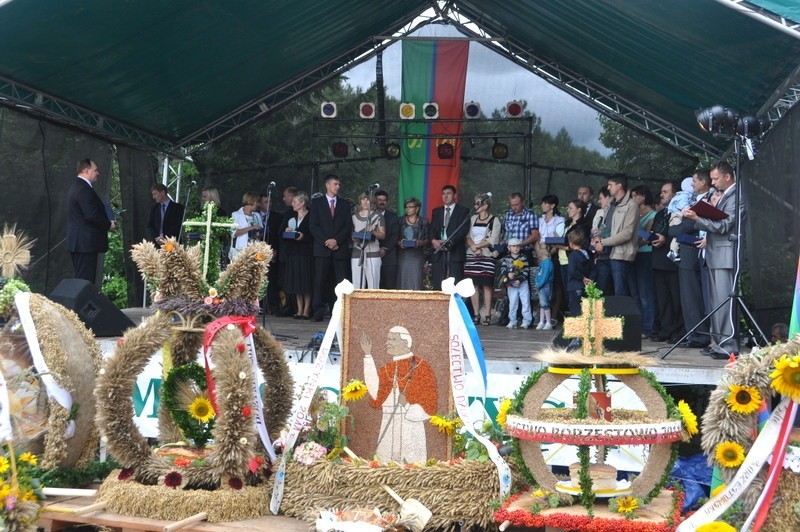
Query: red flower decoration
[[120, 341], [182, 462], [173, 479], [246, 411], [125, 474], [267, 469], [235, 483], [240, 348]]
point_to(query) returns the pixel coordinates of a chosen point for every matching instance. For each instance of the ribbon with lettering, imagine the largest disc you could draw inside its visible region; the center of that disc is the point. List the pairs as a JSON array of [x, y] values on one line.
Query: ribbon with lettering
[[246, 323], [301, 415], [54, 391], [753, 462], [759, 513], [470, 338], [460, 342]]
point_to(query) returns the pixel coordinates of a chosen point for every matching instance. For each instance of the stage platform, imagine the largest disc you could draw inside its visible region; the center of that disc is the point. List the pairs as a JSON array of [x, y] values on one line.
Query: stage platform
[[507, 351]]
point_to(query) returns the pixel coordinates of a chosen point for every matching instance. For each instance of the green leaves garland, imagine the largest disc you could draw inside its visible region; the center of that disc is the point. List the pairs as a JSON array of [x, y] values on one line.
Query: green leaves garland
[[584, 386], [193, 430], [215, 242], [516, 408], [8, 288], [587, 494]]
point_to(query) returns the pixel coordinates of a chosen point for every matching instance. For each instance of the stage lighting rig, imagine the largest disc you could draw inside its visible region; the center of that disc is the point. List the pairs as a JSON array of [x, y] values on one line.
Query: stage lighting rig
[[339, 150], [392, 150], [717, 119], [472, 110], [408, 111], [327, 109], [499, 150], [752, 126], [430, 110], [366, 110], [446, 150]]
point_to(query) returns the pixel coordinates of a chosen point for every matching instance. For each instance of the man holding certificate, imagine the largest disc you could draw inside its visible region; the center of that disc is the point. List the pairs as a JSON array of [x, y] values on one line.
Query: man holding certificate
[[721, 256]]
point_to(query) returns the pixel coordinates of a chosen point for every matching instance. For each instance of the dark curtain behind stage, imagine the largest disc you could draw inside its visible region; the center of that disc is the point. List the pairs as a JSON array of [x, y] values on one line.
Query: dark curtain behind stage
[[37, 166], [137, 173], [772, 191]]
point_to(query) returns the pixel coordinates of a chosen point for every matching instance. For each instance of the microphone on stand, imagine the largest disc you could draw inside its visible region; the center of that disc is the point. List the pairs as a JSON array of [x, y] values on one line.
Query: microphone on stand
[[485, 197], [271, 185], [193, 183], [375, 185]]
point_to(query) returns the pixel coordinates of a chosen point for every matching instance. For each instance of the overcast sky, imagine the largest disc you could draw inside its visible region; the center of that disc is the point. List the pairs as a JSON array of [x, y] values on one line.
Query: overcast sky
[[493, 80]]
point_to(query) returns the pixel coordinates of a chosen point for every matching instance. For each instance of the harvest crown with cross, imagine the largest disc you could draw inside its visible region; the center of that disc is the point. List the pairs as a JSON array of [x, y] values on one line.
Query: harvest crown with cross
[[209, 224], [592, 326]]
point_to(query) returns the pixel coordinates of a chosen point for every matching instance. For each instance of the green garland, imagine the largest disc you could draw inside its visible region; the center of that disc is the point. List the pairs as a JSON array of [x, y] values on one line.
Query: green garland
[[516, 408], [8, 288], [584, 386], [67, 477], [193, 430], [587, 493]]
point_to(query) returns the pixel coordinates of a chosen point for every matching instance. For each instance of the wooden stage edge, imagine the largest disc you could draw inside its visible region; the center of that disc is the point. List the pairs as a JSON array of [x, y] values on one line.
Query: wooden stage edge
[[61, 513], [507, 351]]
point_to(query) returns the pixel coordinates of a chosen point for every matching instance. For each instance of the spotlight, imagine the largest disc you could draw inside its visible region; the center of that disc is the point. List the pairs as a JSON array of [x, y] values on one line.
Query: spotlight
[[499, 150], [408, 111], [339, 150], [392, 150], [327, 109], [472, 110], [752, 126], [716, 119], [446, 150], [366, 110], [356, 148], [514, 109], [430, 110]]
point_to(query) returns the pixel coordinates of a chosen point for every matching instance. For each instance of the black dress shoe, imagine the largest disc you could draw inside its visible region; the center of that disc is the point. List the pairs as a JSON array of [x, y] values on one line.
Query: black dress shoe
[[707, 352], [691, 345], [721, 355]]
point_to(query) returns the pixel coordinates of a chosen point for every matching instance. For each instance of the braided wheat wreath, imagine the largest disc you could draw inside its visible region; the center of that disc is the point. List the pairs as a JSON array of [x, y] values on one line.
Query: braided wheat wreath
[[222, 485]]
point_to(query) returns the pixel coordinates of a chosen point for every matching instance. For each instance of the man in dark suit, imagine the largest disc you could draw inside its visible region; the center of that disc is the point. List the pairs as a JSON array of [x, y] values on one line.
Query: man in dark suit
[[448, 233], [389, 244], [166, 216], [689, 269], [721, 260], [87, 222], [665, 272], [331, 223], [586, 195], [271, 222]]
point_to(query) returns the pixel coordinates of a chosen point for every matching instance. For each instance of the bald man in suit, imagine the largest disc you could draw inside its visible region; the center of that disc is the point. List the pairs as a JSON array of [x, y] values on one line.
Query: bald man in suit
[[87, 222]]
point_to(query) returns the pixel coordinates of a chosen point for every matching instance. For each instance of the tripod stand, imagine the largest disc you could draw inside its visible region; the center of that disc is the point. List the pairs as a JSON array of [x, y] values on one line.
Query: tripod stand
[[734, 301]]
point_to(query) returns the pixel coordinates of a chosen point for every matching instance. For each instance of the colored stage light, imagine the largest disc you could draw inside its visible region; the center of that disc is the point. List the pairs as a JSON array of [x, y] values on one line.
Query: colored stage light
[[430, 110], [408, 111], [392, 150], [339, 150], [472, 110], [446, 150], [327, 109], [514, 109], [499, 150], [366, 110]]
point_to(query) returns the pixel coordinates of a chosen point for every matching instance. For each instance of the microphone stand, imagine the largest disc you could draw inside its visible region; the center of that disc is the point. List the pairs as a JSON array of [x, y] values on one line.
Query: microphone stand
[[362, 258], [185, 206]]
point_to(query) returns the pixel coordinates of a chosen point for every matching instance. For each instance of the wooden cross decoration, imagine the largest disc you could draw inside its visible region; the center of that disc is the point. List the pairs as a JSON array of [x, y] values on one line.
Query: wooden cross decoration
[[209, 225], [592, 327]]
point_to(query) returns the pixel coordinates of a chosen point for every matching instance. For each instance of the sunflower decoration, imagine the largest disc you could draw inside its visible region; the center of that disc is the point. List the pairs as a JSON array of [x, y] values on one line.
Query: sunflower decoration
[[716, 526], [15, 251], [743, 399], [624, 505], [354, 390], [729, 454], [186, 397], [786, 376], [502, 412], [445, 425], [689, 418]]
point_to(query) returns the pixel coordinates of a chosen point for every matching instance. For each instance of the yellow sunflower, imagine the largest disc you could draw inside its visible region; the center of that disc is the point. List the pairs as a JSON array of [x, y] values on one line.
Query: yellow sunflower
[[718, 489], [5, 491], [28, 458], [716, 526], [743, 399], [444, 425], [729, 454], [786, 376], [689, 418], [354, 390], [627, 504], [201, 410], [4, 465], [502, 412]]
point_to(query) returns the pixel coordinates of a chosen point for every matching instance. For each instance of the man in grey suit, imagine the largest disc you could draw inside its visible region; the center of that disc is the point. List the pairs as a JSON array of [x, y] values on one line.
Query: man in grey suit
[[721, 258]]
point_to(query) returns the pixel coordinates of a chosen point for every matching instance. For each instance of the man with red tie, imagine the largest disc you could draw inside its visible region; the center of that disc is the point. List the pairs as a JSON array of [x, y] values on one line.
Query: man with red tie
[[331, 224]]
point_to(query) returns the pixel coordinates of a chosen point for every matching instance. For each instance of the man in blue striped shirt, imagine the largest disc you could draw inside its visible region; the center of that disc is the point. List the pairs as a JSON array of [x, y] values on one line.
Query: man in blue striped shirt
[[521, 223]]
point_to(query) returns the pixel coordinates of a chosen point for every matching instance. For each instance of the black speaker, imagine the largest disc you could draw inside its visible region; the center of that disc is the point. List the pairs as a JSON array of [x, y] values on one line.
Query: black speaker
[[93, 308], [631, 329], [632, 326]]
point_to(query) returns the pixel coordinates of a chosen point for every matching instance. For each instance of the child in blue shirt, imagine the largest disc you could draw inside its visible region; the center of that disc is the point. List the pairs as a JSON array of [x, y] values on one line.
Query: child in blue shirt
[[544, 283], [578, 270]]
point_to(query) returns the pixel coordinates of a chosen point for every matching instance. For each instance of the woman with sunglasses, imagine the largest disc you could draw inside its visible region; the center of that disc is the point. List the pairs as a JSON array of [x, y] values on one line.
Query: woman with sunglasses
[[484, 231]]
